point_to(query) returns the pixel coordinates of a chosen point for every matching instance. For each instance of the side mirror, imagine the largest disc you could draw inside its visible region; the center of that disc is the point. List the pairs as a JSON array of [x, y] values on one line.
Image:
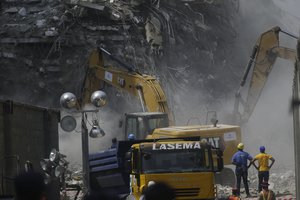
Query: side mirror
[[127, 164], [220, 164], [219, 153], [128, 155], [120, 123], [218, 160], [147, 156]]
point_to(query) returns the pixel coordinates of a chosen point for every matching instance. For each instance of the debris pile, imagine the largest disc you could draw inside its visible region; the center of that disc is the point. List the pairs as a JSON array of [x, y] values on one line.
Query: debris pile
[[48, 42], [283, 184], [33, 39]]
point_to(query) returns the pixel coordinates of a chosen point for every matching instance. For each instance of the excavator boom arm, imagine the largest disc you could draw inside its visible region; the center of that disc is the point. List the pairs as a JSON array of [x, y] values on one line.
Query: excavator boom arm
[[146, 87], [264, 55]]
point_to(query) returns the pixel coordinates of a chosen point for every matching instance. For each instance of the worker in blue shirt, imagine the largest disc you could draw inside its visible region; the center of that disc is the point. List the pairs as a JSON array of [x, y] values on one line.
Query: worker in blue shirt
[[240, 160]]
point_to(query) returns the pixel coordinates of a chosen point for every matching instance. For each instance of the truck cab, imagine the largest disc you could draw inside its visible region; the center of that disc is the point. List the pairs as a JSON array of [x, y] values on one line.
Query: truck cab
[[187, 165]]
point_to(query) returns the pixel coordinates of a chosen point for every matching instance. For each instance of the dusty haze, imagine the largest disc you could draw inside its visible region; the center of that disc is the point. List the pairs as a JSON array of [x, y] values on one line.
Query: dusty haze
[[271, 122]]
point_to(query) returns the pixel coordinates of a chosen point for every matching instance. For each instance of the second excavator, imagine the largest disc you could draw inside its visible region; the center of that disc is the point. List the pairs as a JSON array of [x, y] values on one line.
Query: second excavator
[[264, 54]]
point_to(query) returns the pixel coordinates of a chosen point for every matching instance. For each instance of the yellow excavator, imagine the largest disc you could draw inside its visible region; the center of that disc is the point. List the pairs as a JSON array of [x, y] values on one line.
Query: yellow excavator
[[264, 54], [156, 120], [155, 111]]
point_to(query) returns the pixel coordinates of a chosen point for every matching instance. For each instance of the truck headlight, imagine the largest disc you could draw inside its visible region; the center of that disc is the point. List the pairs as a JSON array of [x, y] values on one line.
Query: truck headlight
[[151, 183]]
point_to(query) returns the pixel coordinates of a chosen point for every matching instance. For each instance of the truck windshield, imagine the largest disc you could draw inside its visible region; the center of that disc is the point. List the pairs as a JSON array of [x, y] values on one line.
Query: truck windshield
[[177, 161]]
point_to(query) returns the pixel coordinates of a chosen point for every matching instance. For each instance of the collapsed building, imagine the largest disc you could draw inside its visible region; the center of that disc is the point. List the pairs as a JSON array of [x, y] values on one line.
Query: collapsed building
[[45, 44]]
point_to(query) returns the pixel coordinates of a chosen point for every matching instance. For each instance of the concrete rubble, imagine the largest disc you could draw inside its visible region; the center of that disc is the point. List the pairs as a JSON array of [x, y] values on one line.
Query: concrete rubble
[[156, 37], [283, 184]]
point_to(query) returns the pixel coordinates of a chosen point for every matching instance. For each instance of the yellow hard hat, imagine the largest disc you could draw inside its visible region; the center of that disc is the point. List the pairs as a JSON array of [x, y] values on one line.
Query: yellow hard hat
[[240, 146]]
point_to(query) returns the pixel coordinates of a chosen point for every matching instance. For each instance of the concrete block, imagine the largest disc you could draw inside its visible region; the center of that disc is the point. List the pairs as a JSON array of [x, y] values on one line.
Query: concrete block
[[51, 32], [22, 12], [11, 10]]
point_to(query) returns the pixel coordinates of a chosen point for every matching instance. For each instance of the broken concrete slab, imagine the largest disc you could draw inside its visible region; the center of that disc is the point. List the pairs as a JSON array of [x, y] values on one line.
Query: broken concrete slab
[[51, 62], [106, 28], [25, 40], [23, 1], [32, 1], [28, 62], [11, 10], [53, 69], [7, 55], [18, 27], [34, 10], [40, 23], [51, 32], [87, 5], [22, 12]]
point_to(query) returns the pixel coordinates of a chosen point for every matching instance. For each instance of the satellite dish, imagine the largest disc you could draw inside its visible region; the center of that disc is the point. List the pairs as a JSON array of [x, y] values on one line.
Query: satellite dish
[[68, 123]]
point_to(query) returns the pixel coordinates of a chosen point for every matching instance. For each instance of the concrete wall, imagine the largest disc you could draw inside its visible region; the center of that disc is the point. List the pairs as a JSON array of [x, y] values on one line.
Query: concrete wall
[[26, 133]]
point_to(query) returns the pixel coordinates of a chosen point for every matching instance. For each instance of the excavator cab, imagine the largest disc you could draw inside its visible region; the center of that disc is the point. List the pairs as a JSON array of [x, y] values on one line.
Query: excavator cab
[[143, 123]]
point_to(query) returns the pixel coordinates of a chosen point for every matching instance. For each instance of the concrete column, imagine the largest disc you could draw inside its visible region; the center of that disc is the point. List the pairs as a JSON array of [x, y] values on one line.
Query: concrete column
[[2, 147], [296, 121]]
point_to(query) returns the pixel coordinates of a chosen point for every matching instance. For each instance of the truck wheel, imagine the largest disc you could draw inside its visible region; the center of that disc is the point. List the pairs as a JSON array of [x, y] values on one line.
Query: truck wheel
[[226, 177]]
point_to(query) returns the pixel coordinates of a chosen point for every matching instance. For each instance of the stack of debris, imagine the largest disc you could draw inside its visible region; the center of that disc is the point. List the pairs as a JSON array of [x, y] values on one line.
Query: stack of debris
[[283, 184], [48, 42]]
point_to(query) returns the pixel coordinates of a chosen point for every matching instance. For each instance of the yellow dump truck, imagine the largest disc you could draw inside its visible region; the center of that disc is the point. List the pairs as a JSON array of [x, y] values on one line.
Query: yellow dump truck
[[187, 165]]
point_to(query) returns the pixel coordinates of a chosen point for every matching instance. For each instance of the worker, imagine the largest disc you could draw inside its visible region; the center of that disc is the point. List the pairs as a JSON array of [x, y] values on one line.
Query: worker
[[240, 160], [263, 166], [234, 195], [266, 193], [131, 136]]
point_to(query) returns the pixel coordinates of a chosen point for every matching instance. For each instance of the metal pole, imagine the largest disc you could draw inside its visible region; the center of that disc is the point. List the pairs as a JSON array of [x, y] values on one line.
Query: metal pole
[[85, 155]]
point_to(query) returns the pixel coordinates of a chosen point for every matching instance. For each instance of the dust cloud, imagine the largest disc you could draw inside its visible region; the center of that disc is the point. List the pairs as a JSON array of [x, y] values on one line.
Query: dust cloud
[[70, 142], [271, 122]]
